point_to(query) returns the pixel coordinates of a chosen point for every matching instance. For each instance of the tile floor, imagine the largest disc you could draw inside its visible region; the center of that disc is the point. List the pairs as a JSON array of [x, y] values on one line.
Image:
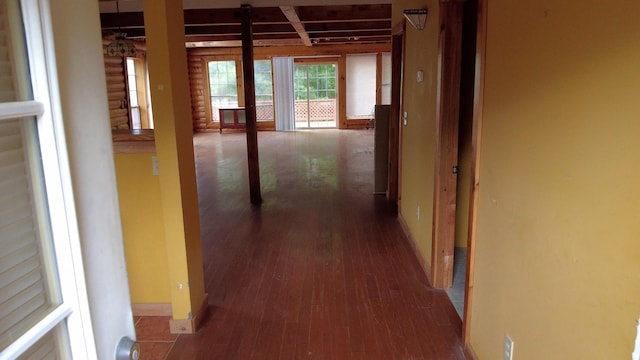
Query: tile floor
[[154, 337]]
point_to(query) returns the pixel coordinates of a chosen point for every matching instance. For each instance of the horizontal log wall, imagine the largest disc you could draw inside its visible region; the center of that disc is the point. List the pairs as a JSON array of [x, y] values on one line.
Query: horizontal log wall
[[117, 92]]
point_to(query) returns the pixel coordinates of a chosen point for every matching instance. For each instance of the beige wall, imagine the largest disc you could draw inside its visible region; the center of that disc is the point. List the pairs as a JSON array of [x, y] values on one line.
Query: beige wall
[[418, 137], [559, 213]]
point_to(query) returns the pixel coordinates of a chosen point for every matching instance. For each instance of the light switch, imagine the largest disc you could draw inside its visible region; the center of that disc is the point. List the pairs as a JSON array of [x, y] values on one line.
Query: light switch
[[420, 76], [154, 165]]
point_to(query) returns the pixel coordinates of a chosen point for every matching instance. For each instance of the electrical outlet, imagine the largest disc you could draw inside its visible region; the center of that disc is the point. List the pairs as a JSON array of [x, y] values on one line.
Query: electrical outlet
[[405, 118], [508, 348], [417, 211]]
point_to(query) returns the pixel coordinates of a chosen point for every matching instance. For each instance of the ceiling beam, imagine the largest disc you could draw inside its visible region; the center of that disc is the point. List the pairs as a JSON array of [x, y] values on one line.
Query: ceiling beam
[[313, 27], [344, 13], [292, 16]]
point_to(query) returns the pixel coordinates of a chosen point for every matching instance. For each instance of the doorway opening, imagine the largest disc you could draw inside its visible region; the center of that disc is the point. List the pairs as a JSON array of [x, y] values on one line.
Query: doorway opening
[[455, 153], [315, 94]]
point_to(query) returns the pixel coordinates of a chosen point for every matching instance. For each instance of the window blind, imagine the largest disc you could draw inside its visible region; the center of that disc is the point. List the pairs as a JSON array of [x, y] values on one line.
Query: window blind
[[361, 85]]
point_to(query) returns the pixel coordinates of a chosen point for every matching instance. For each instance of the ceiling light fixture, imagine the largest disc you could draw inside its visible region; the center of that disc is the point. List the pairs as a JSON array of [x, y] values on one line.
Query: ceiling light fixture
[[121, 46], [417, 17]]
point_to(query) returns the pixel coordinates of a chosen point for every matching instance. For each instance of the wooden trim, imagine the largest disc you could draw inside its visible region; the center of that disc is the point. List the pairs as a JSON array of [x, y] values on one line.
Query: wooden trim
[[397, 58], [448, 118], [469, 354], [476, 142], [190, 326], [414, 246], [318, 60], [284, 51], [158, 309], [379, 78], [292, 15], [399, 28], [342, 92], [358, 124]]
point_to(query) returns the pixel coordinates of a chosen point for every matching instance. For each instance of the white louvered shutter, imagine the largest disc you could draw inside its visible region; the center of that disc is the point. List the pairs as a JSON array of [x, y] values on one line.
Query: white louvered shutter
[[34, 319]]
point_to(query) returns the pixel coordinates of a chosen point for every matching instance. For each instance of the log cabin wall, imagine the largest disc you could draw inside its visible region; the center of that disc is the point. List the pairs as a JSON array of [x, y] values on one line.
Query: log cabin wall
[[117, 91], [198, 85]]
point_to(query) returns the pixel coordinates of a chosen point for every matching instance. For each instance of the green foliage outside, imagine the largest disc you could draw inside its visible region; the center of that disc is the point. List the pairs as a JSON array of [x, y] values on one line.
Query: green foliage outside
[[321, 81]]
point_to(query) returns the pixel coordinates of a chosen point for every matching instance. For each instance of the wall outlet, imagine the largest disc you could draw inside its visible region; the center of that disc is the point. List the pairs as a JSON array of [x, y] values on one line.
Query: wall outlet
[[417, 211], [508, 348], [405, 118]]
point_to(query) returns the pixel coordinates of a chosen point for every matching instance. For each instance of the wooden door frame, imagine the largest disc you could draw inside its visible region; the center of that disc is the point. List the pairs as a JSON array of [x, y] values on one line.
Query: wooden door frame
[[476, 140], [446, 158], [397, 69]]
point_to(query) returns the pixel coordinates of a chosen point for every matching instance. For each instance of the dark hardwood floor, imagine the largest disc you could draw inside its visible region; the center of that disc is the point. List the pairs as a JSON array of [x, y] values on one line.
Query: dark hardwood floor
[[322, 270]]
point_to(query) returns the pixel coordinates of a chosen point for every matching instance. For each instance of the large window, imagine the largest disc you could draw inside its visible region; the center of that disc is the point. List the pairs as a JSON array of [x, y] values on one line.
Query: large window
[[226, 91], [223, 86], [264, 90]]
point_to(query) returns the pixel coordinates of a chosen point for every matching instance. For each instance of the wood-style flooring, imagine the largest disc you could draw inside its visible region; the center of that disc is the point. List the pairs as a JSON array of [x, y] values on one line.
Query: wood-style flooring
[[322, 270]]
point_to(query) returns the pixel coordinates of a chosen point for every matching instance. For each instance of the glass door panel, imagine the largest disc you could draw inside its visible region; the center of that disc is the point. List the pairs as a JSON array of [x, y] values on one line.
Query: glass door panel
[[315, 93]]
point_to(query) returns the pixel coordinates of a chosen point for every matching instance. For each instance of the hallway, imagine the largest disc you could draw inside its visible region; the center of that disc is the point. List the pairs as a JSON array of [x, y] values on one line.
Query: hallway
[[321, 270]]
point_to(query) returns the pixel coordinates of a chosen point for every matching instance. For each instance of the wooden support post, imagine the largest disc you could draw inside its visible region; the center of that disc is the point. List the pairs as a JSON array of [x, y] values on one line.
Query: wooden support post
[[250, 104]]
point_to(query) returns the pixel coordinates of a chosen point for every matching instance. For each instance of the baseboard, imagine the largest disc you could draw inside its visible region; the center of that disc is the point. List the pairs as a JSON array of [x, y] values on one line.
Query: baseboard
[[156, 309], [190, 326], [426, 268], [469, 354]]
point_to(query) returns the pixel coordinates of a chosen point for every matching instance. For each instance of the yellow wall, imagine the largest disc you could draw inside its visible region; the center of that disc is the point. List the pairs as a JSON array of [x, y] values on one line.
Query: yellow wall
[[558, 242], [141, 212], [418, 137]]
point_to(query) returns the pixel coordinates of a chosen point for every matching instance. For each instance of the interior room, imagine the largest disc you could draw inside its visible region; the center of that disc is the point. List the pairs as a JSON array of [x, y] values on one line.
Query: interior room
[[392, 179]]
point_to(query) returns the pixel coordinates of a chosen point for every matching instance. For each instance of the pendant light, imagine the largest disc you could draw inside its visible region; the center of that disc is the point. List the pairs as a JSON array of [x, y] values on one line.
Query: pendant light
[[121, 46]]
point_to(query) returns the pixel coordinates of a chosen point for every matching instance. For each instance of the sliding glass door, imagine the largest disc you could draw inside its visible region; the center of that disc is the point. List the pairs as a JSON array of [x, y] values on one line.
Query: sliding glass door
[[315, 93]]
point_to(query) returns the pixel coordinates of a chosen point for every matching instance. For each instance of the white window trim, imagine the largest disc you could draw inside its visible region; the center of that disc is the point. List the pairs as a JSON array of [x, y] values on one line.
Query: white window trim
[[75, 308]]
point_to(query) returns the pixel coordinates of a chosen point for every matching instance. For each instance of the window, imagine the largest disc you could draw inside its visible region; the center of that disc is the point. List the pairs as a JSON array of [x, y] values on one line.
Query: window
[[264, 90], [223, 86], [315, 95], [361, 85], [226, 88], [134, 104], [42, 299], [137, 85]]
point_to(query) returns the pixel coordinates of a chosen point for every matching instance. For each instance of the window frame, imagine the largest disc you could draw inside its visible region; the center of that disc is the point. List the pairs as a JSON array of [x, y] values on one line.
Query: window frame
[[74, 310]]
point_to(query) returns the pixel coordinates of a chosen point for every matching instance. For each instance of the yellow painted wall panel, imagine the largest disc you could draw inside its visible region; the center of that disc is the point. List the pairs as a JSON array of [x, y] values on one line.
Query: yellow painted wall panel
[[419, 135], [559, 209], [141, 212]]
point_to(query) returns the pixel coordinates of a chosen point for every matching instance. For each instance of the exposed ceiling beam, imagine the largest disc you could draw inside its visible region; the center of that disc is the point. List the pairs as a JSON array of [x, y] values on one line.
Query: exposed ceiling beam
[[313, 27], [292, 16], [344, 13]]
